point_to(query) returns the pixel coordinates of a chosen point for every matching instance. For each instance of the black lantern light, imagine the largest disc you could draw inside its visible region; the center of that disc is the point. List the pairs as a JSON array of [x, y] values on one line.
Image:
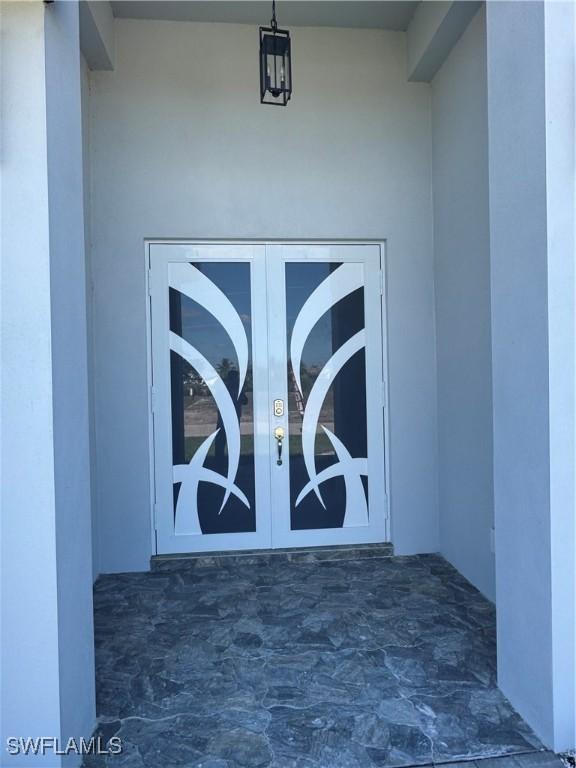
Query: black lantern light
[[275, 64]]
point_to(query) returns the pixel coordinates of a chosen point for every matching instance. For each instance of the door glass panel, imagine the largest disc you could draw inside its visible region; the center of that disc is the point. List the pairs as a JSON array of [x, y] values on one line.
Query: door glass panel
[[211, 397], [326, 394]]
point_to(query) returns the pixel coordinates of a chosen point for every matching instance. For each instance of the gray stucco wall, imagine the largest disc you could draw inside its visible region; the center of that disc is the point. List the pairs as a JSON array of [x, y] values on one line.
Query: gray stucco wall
[[69, 370], [29, 623], [85, 100], [181, 147], [462, 281], [47, 633], [532, 208]]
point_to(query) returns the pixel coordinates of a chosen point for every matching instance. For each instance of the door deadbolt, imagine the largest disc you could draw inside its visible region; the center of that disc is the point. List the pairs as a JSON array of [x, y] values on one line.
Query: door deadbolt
[[278, 407]]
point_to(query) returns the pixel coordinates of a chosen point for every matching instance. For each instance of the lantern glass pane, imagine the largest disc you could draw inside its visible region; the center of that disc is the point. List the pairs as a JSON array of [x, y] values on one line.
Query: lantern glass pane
[[287, 73], [275, 74]]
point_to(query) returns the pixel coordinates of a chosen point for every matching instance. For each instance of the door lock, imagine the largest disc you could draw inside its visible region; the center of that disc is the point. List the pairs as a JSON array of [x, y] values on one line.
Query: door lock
[[278, 408], [279, 435]]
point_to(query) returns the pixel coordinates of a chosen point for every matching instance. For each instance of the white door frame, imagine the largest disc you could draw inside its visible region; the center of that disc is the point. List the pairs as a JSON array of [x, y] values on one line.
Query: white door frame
[[263, 242]]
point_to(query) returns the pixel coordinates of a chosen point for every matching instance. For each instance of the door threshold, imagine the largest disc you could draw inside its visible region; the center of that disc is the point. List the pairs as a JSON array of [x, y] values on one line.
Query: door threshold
[[261, 556]]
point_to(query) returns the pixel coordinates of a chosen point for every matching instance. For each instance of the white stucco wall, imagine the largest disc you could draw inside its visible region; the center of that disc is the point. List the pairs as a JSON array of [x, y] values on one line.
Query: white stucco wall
[[462, 278], [181, 147]]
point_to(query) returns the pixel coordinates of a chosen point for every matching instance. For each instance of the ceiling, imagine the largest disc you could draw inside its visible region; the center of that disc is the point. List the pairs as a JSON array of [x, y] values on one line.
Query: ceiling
[[391, 14]]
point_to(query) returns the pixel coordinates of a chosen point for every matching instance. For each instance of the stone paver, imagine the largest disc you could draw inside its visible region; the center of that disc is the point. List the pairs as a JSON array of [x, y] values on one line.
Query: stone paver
[[345, 663]]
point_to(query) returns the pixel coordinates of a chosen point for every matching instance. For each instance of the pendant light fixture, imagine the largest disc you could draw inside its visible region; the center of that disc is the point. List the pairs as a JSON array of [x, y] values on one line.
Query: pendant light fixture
[[275, 63]]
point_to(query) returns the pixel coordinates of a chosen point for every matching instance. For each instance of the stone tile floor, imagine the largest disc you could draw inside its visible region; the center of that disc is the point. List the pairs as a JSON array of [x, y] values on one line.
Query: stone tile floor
[[341, 663]]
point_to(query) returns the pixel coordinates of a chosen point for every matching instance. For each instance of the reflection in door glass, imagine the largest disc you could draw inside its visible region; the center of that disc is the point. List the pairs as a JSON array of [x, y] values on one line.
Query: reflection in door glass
[[212, 398], [326, 394]]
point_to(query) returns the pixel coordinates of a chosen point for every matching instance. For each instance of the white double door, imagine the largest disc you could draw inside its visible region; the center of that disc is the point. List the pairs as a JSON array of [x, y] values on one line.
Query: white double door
[[268, 397]]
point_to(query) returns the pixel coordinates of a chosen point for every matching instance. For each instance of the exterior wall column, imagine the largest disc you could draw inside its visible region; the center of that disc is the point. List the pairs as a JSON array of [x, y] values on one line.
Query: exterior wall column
[[530, 60], [47, 634]]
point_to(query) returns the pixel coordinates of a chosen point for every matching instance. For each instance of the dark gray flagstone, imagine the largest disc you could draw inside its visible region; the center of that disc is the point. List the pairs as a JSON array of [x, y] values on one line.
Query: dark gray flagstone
[[301, 662]]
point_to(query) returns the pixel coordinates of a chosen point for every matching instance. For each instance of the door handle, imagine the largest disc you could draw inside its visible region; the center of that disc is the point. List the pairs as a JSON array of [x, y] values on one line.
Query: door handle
[[279, 435]]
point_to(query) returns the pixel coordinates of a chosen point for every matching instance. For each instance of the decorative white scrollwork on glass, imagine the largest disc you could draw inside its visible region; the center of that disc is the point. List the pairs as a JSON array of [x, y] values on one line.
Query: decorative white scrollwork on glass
[[340, 283], [192, 283]]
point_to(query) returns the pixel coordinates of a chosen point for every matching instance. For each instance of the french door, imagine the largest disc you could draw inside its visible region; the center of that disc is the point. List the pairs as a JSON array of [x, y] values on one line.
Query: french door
[[268, 397]]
